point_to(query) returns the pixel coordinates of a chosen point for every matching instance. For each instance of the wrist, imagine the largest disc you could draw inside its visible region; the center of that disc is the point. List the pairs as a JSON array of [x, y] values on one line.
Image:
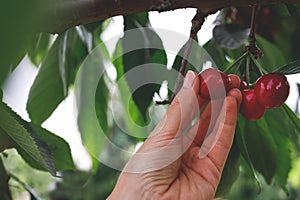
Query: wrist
[[127, 188]]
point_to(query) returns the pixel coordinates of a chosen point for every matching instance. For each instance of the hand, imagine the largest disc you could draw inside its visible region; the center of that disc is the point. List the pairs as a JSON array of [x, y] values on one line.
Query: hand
[[173, 164]]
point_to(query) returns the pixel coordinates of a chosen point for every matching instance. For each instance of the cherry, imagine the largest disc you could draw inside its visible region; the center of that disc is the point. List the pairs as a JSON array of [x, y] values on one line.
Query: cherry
[[243, 85], [214, 84], [251, 108], [272, 90]]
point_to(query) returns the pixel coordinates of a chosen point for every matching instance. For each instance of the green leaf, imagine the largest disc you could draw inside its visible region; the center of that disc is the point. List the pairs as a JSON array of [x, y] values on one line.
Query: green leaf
[[30, 190], [280, 130], [56, 74], [5, 192], [261, 148], [230, 36], [137, 52], [76, 52], [297, 109], [294, 10], [241, 143], [216, 52], [259, 145], [91, 27], [62, 50], [290, 68], [27, 142], [101, 104], [93, 128], [294, 119], [47, 90], [39, 47], [230, 172], [131, 114], [273, 56], [16, 32], [59, 148], [5, 141]]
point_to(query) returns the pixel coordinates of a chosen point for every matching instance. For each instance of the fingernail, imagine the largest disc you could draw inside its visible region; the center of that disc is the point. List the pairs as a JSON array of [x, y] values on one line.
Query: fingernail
[[189, 79]]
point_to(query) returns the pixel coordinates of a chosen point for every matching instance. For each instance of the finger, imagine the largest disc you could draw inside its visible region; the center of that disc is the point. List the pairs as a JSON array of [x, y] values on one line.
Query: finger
[[183, 108], [205, 123], [234, 81], [225, 128]]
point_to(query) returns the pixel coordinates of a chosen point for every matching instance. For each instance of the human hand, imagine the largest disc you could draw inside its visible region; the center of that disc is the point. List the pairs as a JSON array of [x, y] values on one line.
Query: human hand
[[173, 164]]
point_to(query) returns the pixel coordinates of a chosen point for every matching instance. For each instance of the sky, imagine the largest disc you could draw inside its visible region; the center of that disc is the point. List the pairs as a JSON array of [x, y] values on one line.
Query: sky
[[63, 120]]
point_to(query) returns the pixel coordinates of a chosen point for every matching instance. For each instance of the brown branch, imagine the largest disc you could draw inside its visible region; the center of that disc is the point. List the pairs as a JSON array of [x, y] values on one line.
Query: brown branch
[[197, 22], [60, 15]]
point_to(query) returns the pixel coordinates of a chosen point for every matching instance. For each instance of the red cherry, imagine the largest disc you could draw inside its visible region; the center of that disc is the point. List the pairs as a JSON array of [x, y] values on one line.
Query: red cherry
[[243, 85], [272, 90], [214, 84], [250, 108]]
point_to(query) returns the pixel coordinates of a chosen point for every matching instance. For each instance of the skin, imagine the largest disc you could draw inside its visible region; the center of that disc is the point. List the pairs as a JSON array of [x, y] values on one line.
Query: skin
[[174, 165]]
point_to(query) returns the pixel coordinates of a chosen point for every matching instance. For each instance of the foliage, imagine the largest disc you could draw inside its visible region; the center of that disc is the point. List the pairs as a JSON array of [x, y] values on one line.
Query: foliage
[[263, 150]]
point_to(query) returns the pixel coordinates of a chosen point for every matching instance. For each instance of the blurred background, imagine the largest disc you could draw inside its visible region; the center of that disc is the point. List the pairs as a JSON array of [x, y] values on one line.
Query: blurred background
[[84, 184]]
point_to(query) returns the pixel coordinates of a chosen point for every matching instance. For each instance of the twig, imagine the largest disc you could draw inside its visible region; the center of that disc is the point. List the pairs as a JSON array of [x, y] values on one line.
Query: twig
[[197, 22], [252, 50], [252, 47]]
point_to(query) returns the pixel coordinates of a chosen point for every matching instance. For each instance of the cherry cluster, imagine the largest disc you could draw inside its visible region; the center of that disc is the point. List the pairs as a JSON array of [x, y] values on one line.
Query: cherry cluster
[[214, 84], [270, 91]]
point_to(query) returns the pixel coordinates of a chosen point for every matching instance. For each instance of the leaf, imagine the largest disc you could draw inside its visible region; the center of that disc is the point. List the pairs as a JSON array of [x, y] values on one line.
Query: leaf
[[130, 113], [47, 90], [241, 143], [290, 68], [30, 190], [230, 36], [27, 142], [93, 130], [294, 10], [230, 172], [5, 141], [39, 47], [91, 27], [101, 104], [273, 56], [216, 52], [16, 32], [5, 192], [261, 148], [293, 118], [59, 148], [142, 46], [280, 130], [76, 52], [56, 74], [62, 50], [297, 110]]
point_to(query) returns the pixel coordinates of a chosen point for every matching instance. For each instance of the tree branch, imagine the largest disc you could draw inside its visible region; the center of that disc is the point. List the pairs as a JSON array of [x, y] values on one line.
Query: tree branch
[[58, 15]]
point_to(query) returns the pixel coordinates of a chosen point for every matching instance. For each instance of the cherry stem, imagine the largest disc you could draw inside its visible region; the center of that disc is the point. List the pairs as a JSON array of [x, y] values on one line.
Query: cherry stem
[[238, 67], [236, 61], [248, 70], [258, 65]]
